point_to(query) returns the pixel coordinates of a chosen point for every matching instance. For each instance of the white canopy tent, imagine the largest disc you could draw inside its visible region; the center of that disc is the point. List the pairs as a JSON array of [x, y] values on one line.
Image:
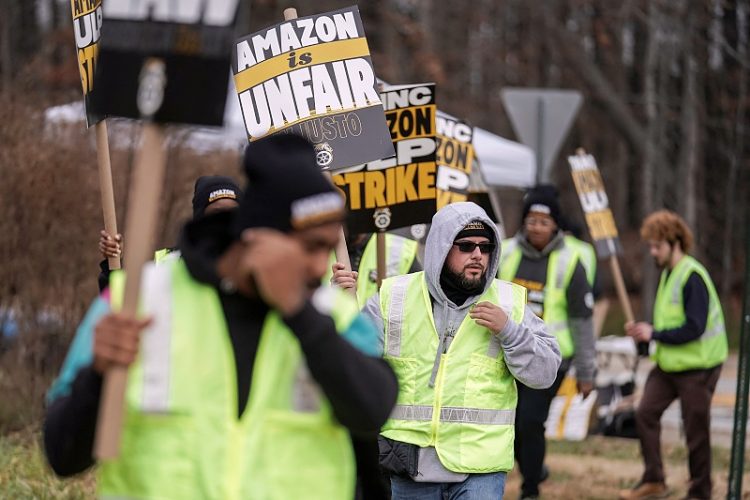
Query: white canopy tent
[[503, 163]]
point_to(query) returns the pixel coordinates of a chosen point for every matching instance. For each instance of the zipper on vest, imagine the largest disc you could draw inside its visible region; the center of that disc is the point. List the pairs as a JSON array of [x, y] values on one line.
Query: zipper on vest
[[440, 349], [234, 459], [438, 402]]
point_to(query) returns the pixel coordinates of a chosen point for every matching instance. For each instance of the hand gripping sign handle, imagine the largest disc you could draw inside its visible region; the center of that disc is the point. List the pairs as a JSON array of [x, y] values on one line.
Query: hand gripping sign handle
[[105, 187], [140, 227], [341, 251]]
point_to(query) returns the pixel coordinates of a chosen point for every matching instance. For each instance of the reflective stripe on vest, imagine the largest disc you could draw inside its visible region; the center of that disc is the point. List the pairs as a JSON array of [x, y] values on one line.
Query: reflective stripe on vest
[[708, 350], [156, 340], [395, 319], [196, 447], [469, 414], [464, 415]]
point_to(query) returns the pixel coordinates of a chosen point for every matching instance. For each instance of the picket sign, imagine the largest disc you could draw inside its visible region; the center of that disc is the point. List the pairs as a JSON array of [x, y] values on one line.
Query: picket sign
[[105, 187], [599, 219], [569, 413], [341, 250], [140, 227]]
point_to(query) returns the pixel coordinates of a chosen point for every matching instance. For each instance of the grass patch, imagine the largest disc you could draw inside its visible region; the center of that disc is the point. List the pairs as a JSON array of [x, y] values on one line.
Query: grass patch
[[24, 473]]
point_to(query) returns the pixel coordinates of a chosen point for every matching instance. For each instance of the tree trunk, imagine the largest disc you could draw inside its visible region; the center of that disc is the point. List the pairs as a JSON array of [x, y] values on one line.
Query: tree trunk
[[650, 163], [737, 155], [690, 146], [7, 18]]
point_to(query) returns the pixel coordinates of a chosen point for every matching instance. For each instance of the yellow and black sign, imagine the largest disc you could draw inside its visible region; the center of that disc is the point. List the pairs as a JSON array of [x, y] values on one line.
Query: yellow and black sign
[[313, 76], [400, 191], [454, 158], [87, 29], [595, 204]]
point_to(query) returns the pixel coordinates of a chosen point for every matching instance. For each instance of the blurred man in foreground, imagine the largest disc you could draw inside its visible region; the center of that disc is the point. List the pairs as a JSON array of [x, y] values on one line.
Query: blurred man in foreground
[[245, 380]]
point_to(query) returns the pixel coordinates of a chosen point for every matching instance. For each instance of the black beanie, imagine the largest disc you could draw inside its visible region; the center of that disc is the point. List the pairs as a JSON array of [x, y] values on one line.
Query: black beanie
[[210, 188], [542, 199], [476, 228], [286, 189]]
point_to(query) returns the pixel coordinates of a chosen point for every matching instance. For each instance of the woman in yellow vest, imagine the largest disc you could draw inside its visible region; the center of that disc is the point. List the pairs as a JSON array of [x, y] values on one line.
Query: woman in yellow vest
[[690, 346], [458, 340], [245, 380], [559, 292]]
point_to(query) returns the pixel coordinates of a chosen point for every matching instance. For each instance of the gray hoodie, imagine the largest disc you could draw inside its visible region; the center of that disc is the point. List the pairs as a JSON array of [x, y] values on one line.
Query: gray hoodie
[[531, 354]]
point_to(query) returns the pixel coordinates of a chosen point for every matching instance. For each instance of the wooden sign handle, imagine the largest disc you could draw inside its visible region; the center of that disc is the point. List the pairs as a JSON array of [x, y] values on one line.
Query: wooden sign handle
[[105, 187], [622, 292], [380, 235], [140, 227]]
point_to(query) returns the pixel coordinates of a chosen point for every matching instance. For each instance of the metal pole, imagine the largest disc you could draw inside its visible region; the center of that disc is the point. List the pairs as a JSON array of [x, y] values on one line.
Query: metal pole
[[737, 464]]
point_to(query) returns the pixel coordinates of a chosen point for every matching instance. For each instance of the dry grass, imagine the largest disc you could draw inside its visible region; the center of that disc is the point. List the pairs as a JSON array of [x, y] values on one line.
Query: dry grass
[[593, 469], [24, 473]]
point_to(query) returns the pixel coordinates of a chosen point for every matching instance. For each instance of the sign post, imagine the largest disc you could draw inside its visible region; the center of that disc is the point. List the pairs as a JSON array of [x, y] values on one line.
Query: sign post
[[87, 26], [140, 226], [163, 65], [382, 264], [737, 463], [541, 119]]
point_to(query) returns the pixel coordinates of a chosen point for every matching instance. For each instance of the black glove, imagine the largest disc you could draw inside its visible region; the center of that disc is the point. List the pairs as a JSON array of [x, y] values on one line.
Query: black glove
[[397, 457]]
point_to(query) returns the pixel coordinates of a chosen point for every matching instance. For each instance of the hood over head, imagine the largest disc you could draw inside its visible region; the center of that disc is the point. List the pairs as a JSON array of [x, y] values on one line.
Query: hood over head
[[447, 223]]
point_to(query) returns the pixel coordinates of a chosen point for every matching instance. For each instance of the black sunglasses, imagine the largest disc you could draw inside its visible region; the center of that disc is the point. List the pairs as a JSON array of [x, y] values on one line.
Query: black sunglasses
[[469, 246]]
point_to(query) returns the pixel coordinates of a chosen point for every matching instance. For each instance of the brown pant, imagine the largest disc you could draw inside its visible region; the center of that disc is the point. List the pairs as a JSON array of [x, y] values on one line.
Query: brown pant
[[694, 388]]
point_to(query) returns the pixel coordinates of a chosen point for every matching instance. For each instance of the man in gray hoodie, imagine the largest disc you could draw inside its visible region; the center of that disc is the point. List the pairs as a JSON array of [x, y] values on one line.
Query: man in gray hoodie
[[458, 340]]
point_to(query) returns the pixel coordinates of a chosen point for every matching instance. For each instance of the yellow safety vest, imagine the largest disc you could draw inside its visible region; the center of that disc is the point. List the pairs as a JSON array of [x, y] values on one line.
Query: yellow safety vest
[[560, 268], [586, 255], [181, 436], [708, 350], [165, 253], [400, 254], [469, 415]]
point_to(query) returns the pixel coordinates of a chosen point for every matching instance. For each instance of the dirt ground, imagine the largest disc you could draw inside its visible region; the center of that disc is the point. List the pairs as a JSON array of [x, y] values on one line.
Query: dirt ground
[[599, 468]]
